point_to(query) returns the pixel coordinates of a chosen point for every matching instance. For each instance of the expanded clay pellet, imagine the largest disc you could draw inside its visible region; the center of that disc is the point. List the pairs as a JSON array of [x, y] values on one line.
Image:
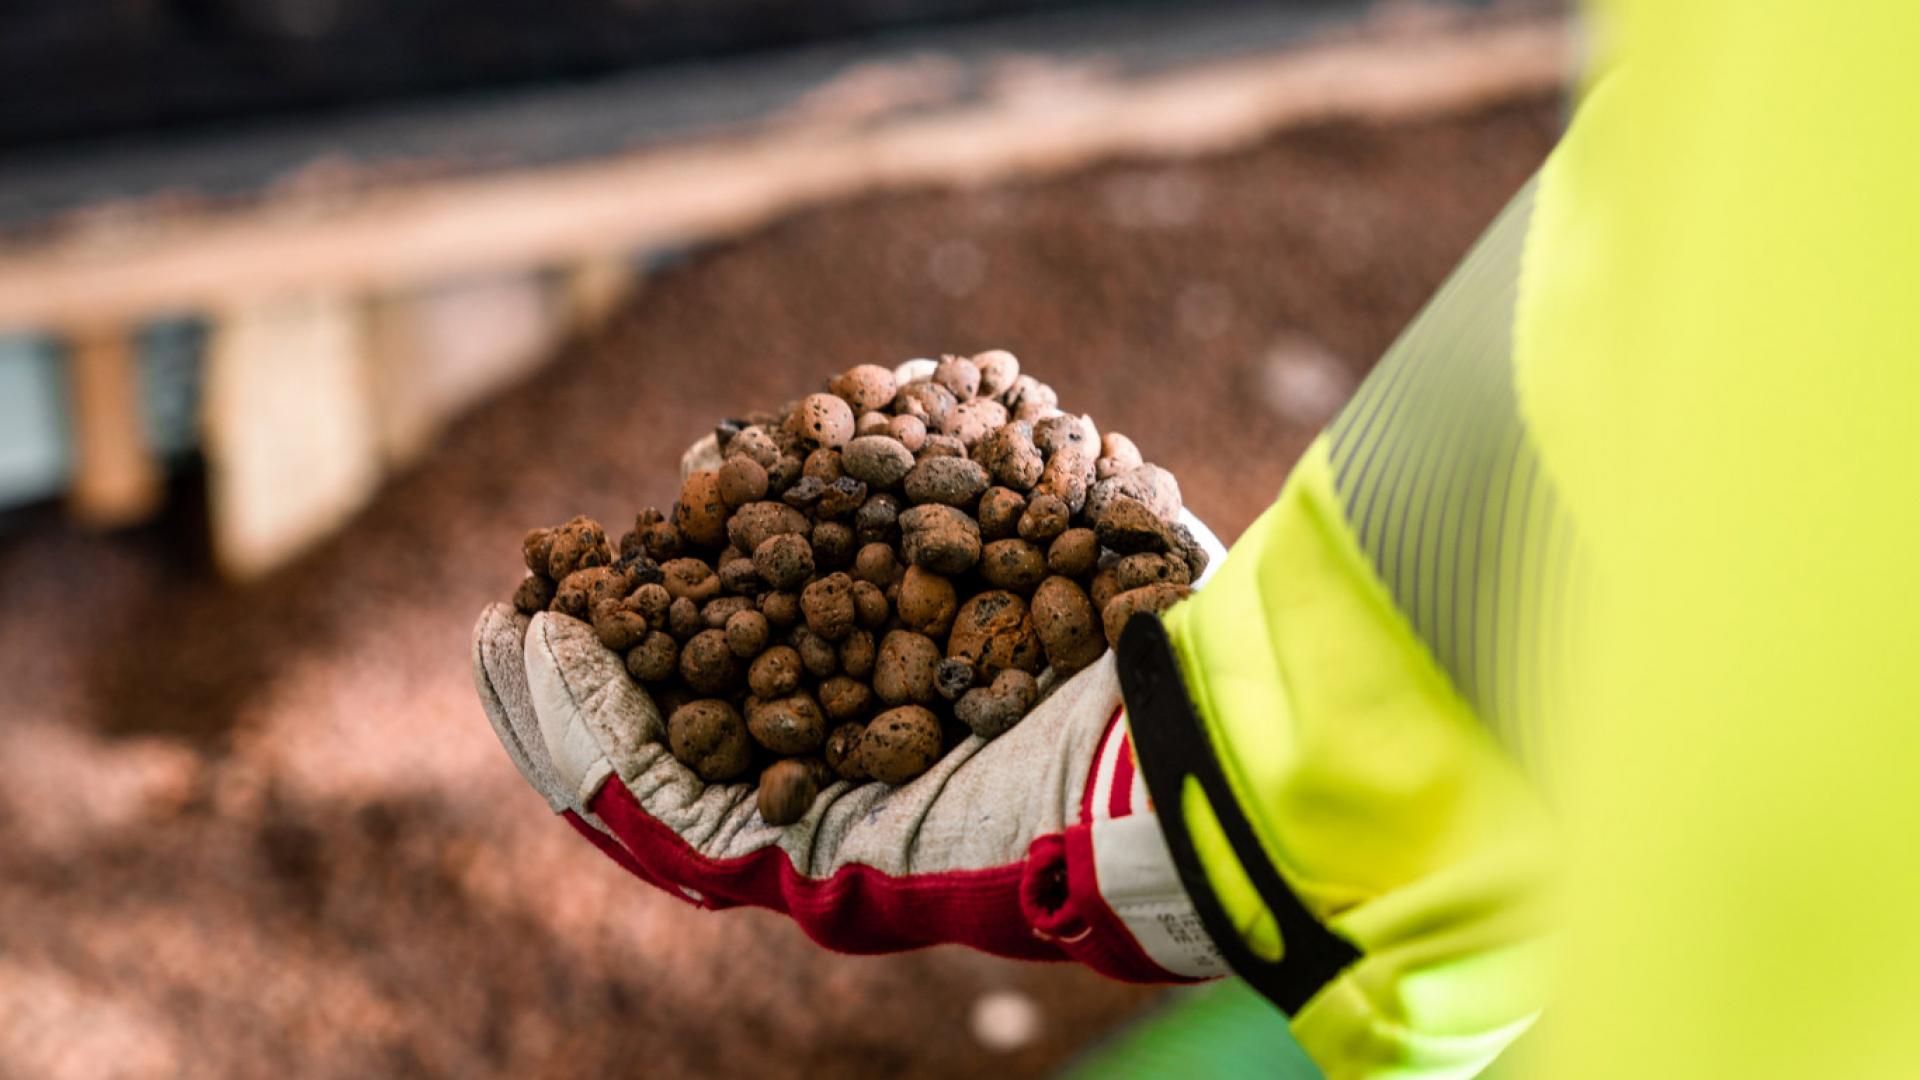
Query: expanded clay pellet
[[872, 568]]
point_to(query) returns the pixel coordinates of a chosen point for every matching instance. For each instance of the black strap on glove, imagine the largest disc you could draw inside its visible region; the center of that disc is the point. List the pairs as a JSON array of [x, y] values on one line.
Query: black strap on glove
[[1173, 746]]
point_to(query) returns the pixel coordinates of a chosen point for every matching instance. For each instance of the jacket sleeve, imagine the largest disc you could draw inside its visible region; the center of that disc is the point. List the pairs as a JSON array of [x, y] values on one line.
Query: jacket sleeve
[[1347, 773]]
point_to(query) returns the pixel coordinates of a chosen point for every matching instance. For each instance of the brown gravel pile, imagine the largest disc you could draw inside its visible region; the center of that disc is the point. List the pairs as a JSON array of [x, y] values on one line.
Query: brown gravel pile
[[267, 830], [872, 572]]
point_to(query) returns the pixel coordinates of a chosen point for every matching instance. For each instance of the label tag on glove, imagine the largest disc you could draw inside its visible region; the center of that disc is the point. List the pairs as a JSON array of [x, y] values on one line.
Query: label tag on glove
[[1139, 883]]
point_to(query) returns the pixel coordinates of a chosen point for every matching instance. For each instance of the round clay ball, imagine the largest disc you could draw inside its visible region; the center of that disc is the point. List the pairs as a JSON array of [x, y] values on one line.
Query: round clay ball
[[690, 578], [1118, 455], [870, 607], [959, 376], [576, 593], [737, 575], [658, 536], [841, 498], [929, 401], [1070, 630], [683, 618], [804, 493], [578, 544], [1009, 454], [747, 634], [653, 601], [1047, 516], [1147, 568], [993, 632], [823, 465], [1015, 565], [864, 387], [1147, 598], [842, 751], [940, 538], [701, 514], [1068, 475], [942, 445], [986, 713], [999, 513], [900, 744], [927, 602], [857, 653], [877, 520], [953, 678], [717, 612], [709, 737], [843, 697], [879, 460], [905, 669], [742, 480], [753, 442], [870, 423], [534, 594], [1022, 687], [971, 421], [1104, 586], [783, 474], [707, 664], [787, 789], [822, 418], [655, 658], [1056, 433], [877, 564], [782, 609], [953, 481], [618, 623], [1149, 484], [817, 654], [910, 431], [998, 370], [827, 605], [1127, 526], [775, 673], [833, 543], [784, 561], [788, 725], [1073, 553], [990, 710], [536, 548], [753, 523]]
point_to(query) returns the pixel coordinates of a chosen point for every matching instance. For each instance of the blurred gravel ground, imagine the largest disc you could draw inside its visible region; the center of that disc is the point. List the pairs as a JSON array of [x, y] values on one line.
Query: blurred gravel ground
[[267, 830]]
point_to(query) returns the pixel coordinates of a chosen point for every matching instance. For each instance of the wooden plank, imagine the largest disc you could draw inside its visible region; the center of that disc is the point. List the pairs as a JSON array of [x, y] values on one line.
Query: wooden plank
[[116, 479], [431, 353], [291, 444], [403, 237]]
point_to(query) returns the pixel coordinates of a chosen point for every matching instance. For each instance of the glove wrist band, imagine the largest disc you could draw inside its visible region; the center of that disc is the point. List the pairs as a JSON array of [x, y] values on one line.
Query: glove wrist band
[[1173, 748]]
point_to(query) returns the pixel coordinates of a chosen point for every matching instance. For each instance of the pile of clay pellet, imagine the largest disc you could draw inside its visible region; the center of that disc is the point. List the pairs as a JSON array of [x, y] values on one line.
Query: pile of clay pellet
[[854, 584]]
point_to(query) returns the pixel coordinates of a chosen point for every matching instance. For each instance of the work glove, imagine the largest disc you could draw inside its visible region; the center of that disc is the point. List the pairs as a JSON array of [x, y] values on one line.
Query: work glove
[[1039, 844]]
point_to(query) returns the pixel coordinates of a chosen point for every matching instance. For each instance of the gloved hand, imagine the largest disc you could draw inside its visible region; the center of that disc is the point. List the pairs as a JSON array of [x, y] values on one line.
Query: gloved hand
[[1039, 844]]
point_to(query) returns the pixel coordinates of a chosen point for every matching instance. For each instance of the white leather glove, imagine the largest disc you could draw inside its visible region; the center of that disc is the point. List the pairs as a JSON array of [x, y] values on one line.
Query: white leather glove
[[1039, 844]]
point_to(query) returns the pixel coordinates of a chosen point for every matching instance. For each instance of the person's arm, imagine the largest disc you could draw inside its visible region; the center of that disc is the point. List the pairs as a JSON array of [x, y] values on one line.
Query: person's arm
[[1331, 731], [1335, 730]]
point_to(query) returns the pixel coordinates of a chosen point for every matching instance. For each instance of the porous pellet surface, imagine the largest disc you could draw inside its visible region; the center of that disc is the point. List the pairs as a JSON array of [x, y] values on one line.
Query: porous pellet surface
[[893, 573]]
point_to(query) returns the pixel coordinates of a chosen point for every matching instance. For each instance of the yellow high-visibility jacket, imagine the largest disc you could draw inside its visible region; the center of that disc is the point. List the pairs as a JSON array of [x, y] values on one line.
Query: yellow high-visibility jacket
[[1575, 675]]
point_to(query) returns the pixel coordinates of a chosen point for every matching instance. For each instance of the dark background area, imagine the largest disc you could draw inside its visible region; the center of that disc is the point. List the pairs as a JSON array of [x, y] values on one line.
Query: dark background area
[[79, 68]]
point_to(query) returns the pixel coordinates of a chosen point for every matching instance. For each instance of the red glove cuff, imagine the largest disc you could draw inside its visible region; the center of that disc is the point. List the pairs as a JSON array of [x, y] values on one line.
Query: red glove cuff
[[1044, 906]]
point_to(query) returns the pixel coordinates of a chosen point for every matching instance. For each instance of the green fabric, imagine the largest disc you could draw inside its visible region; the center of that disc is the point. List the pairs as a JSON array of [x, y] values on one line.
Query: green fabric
[[1224, 1030]]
